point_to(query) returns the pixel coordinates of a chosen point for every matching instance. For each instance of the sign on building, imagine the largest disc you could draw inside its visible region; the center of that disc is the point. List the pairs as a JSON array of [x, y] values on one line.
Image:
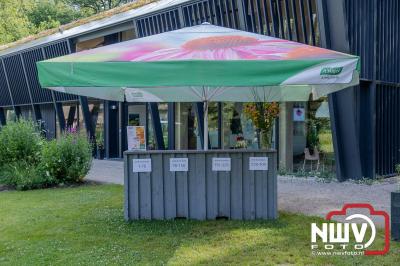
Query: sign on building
[[141, 165], [178, 164], [221, 164], [258, 163], [136, 137]]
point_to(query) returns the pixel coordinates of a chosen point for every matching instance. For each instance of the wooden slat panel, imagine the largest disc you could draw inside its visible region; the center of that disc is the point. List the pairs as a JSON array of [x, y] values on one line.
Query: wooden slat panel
[[212, 189], [259, 177], [272, 188], [133, 185], [145, 193], [182, 200], [200, 193], [224, 184], [248, 189], [197, 186], [169, 189], [157, 187], [236, 187]]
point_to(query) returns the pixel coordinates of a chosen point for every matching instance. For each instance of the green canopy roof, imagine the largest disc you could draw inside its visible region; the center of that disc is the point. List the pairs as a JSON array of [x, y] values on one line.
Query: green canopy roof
[[202, 63]]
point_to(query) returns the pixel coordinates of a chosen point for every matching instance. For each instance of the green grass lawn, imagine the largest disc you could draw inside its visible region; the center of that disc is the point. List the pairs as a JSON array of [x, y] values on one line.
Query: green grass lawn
[[85, 225]]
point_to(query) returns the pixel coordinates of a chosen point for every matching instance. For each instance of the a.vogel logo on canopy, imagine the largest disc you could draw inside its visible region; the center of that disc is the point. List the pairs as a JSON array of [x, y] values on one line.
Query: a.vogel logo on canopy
[[331, 71]]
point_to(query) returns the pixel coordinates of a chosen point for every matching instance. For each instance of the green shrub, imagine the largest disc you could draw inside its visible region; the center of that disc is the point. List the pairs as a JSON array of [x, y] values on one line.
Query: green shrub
[[20, 141], [312, 134], [397, 168], [67, 159], [27, 161], [24, 176], [20, 151]]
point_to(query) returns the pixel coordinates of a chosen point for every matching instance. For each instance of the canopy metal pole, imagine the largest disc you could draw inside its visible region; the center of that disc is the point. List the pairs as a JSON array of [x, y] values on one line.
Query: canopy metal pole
[[205, 126]]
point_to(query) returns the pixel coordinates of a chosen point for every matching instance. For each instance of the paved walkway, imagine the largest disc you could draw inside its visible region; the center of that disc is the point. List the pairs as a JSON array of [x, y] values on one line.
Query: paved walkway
[[304, 195], [107, 171]]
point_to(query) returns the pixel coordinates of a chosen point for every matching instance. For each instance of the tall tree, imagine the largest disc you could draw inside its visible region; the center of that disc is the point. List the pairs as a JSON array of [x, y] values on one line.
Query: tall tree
[[13, 22], [97, 5], [46, 14], [20, 18]]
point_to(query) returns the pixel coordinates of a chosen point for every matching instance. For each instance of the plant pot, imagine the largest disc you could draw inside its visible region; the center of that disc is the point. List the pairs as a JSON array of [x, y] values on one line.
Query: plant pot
[[100, 154], [395, 215]]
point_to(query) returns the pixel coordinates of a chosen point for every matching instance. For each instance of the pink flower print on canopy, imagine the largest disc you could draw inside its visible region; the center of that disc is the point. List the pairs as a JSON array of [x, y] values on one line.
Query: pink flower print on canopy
[[139, 50], [204, 42], [228, 47]]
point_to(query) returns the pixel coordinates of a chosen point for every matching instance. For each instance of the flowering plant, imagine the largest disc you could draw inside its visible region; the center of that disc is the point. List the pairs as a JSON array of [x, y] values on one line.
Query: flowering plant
[[263, 115], [72, 130], [240, 142]]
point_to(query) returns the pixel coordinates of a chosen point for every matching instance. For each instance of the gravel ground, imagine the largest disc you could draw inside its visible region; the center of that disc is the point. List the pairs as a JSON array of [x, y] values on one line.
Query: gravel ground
[[298, 195], [312, 197]]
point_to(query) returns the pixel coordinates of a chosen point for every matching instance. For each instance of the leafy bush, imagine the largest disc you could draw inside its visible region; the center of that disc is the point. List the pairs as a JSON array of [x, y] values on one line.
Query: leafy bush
[[23, 176], [68, 159], [397, 168], [27, 161], [312, 134], [20, 141]]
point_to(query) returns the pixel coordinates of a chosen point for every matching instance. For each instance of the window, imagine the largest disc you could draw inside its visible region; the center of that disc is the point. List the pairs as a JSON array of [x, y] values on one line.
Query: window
[[238, 130], [187, 136]]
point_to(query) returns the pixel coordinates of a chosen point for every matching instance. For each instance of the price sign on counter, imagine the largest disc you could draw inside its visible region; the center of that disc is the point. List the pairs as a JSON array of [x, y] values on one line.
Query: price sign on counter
[[258, 163], [221, 164], [178, 164], [141, 165]]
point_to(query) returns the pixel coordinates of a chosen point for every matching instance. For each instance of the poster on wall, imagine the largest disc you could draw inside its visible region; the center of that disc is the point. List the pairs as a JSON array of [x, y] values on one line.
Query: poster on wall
[[298, 114], [136, 137]]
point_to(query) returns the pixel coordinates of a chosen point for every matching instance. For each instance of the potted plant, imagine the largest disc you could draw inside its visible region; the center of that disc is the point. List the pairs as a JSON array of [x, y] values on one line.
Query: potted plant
[[395, 209], [312, 135], [240, 142], [263, 115], [100, 145]]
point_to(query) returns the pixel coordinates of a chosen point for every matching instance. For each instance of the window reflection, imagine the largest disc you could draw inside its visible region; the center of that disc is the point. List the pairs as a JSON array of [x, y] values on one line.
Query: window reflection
[[186, 127], [239, 130], [74, 119], [213, 125], [163, 112]]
